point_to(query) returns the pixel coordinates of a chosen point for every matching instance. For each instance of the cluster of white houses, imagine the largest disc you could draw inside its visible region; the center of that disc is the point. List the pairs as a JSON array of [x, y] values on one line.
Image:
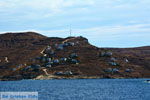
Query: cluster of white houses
[[49, 59], [113, 62]]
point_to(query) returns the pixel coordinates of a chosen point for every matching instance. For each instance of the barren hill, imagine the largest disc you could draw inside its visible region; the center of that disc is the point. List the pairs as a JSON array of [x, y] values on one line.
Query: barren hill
[[28, 55]]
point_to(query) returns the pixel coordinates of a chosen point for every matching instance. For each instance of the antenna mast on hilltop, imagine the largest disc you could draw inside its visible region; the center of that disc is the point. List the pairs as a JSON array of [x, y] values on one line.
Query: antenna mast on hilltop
[[70, 31]]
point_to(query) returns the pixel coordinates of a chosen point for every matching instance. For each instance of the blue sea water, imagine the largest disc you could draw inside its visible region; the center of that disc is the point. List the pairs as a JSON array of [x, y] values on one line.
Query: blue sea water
[[82, 89]]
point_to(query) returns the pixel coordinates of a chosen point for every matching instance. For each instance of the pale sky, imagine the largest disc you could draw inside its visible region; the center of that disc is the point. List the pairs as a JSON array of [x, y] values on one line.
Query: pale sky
[[106, 23]]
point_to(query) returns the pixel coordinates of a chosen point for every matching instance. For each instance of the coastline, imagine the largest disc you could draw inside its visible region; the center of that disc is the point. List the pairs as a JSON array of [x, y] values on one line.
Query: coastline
[[55, 77], [51, 77]]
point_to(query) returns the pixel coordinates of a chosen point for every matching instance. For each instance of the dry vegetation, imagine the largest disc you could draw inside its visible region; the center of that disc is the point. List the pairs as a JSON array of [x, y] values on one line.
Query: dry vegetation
[[22, 48]]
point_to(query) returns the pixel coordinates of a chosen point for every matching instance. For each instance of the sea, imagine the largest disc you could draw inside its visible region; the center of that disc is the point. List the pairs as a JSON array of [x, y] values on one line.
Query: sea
[[82, 89]]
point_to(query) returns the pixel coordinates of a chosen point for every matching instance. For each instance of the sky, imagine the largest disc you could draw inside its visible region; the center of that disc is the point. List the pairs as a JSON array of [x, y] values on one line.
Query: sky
[[106, 23]]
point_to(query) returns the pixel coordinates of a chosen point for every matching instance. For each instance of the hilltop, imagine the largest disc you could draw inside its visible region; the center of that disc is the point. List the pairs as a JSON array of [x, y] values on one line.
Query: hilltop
[[30, 55]]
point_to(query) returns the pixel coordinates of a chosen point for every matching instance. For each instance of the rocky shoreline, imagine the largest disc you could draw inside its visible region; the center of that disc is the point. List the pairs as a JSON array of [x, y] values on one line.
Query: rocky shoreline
[[48, 77], [53, 77]]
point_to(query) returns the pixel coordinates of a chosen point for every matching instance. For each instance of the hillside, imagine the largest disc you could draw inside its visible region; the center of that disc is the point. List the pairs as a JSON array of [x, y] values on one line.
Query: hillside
[[29, 55]]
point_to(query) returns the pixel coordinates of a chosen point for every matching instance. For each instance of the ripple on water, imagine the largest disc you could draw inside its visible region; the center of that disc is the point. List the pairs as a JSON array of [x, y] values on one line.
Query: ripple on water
[[83, 89]]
